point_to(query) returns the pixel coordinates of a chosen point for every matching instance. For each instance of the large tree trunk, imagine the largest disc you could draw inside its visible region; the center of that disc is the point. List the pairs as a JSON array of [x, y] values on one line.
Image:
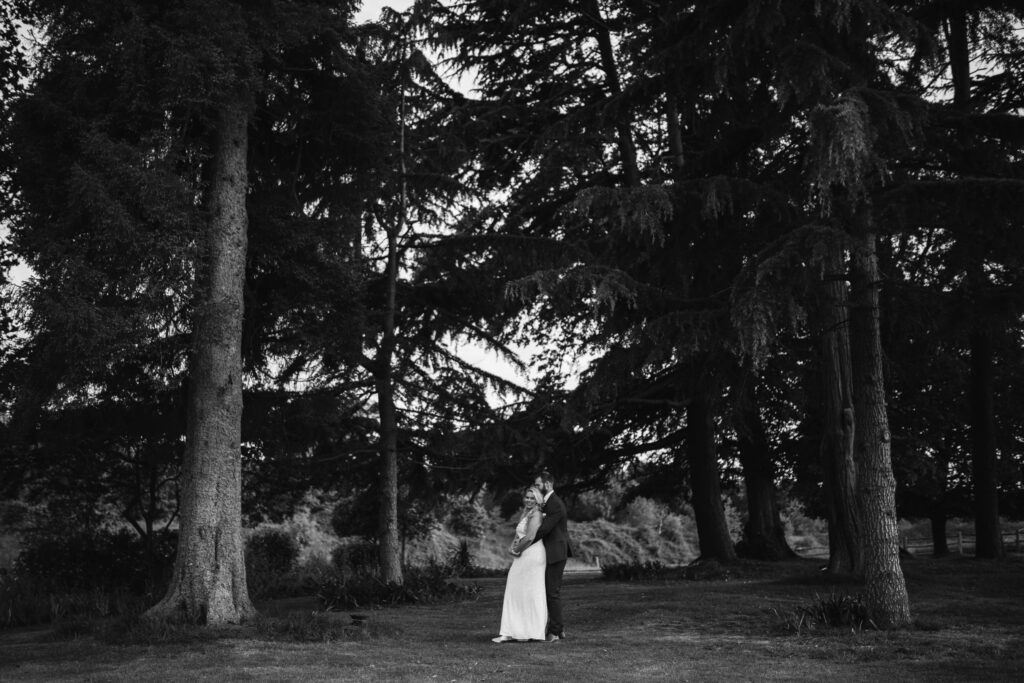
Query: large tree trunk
[[387, 525], [388, 533], [764, 536], [885, 588], [988, 534], [839, 470], [940, 547], [387, 530], [208, 585], [982, 408], [712, 529]]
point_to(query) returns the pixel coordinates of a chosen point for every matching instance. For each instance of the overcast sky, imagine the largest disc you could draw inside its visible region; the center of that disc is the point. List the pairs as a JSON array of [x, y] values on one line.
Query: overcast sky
[[371, 8]]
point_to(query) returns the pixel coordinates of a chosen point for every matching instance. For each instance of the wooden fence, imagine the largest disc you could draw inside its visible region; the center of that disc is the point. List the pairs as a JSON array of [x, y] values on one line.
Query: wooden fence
[[960, 543]]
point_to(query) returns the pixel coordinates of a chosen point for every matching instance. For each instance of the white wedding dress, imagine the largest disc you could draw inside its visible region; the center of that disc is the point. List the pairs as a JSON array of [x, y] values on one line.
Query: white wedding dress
[[524, 614]]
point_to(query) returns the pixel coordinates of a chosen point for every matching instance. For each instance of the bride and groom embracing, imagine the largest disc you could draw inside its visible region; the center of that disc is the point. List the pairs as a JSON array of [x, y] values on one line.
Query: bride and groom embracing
[[533, 605]]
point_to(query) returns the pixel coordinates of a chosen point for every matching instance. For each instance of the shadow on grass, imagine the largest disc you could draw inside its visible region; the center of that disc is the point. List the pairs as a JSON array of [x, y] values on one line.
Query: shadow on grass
[[303, 627], [968, 627]]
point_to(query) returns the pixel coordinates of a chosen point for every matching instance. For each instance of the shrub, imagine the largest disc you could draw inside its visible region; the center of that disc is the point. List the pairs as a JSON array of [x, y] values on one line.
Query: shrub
[[104, 560], [797, 523], [635, 571], [275, 549], [461, 564], [461, 560], [13, 514], [609, 543], [837, 610], [365, 591], [593, 505], [733, 519], [309, 574], [583, 510], [355, 557], [21, 602], [510, 504], [26, 602], [270, 553], [643, 512], [469, 518], [674, 529]]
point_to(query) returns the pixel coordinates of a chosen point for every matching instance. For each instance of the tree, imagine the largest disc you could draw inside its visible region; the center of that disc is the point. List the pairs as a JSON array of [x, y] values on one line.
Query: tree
[[644, 245], [839, 428], [959, 197], [849, 104], [172, 89], [886, 591], [763, 533], [208, 585], [989, 540]]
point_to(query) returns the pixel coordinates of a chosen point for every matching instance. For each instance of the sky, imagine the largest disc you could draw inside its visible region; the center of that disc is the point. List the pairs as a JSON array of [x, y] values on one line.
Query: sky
[[371, 8]]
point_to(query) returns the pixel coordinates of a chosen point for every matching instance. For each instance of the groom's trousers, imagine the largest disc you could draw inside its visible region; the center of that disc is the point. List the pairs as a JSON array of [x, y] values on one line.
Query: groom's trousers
[[553, 586]]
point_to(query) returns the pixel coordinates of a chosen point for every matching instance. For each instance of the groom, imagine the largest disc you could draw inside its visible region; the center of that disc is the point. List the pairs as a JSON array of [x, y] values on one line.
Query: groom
[[554, 531]]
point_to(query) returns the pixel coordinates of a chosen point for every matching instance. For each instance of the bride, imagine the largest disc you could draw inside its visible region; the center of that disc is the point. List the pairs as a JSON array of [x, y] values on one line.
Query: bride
[[524, 614]]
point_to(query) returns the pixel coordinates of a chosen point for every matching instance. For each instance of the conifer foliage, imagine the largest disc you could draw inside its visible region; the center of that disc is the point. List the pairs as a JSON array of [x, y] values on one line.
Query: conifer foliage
[[784, 236]]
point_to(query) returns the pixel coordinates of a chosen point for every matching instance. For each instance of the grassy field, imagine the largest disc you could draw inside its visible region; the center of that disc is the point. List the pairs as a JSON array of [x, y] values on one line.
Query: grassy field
[[970, 627]]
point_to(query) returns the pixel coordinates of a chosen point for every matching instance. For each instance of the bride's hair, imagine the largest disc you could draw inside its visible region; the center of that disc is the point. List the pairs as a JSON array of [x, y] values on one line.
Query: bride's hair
[[537, 496]]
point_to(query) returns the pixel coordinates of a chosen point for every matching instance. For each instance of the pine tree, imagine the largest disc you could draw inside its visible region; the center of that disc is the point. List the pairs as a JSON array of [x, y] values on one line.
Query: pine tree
[[173, 90]]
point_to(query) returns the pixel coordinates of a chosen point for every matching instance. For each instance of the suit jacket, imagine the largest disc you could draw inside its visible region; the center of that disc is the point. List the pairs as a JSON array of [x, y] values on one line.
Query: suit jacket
[[554, 530]]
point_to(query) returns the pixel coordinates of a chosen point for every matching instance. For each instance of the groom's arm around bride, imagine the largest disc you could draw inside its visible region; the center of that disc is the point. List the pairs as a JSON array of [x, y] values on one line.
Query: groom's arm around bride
[[554, 532]]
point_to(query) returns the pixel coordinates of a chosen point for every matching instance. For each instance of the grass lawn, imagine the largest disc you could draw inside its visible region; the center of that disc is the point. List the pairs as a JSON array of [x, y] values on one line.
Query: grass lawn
[[970, 617]]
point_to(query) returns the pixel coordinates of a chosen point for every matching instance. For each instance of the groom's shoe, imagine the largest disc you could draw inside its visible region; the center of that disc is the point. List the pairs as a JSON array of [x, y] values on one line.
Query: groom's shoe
[[552, 637]]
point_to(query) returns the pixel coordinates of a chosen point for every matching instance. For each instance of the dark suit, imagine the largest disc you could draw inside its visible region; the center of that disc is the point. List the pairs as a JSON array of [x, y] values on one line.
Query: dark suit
[[554, 531]]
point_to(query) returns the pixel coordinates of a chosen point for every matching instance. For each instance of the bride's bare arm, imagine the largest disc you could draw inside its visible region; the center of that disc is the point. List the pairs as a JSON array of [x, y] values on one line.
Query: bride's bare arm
[[532, 524]]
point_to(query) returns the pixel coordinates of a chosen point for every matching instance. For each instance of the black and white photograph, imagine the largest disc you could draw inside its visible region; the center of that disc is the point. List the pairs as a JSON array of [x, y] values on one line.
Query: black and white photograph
[[511, 340]]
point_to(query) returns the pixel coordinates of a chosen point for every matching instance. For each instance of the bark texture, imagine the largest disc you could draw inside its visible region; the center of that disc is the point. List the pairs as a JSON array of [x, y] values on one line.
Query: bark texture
[[837, 461], [702, 457], [208, 585], [885, 587], [764, 536], [388, 531]]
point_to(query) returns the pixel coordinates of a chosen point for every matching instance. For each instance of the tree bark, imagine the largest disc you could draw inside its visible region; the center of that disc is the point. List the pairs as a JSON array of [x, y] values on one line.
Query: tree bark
[[988, 534], [208, 585], [388, 532], [387, 525], [712, 529], [982, 407], [836, 451], [885, 587], [940, 548], [764, 536]]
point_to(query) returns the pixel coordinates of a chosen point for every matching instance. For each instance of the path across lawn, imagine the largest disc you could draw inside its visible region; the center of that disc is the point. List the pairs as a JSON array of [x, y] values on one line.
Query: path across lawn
[[971, 617]]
